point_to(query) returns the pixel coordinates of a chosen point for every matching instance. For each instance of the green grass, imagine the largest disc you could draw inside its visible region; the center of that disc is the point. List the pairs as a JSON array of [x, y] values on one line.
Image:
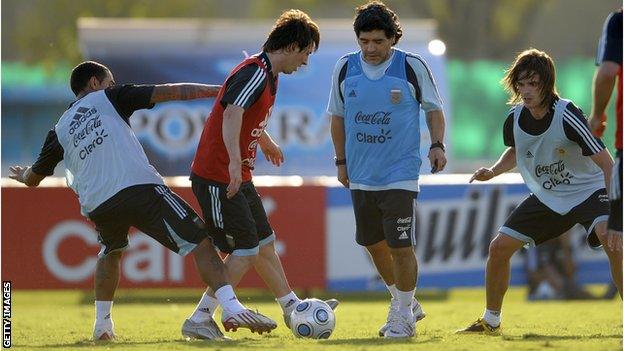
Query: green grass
[[151, 319]]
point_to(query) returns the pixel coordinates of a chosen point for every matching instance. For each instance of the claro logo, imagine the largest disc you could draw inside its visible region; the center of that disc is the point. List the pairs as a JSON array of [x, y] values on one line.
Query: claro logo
[[143, 260]]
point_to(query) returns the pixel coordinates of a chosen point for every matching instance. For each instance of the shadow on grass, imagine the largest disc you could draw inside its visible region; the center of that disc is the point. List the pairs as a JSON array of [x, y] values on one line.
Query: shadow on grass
[[159, 296], [540, 337], [158, 344], [382, 341], [231, 344]]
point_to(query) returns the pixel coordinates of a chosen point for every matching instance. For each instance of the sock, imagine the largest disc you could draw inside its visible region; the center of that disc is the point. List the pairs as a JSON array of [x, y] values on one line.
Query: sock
[[405, 302], [103, 317], [288, 302], [205, 309], [228, 300], [492, 318], [393, 290]]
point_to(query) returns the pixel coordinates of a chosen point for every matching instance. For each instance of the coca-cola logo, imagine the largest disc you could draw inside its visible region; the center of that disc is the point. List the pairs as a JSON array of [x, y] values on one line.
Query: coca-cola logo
[[551, 169], [377, 118]]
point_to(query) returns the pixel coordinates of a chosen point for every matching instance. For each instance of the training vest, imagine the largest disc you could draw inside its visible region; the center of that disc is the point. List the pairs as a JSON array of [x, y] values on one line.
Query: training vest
[[553, 166], [101, 153], [381, 125]]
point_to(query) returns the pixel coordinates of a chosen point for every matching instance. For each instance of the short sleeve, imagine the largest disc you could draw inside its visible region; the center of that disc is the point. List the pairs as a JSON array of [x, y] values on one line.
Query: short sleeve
[[335, 106], [128, 98], [245, 86], [51, 154], [508, 136]]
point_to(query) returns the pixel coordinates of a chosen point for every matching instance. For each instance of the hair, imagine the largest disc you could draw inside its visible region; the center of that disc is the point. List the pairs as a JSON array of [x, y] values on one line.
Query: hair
[[375, 15], [82, 73], [527, 64], [293, 27]]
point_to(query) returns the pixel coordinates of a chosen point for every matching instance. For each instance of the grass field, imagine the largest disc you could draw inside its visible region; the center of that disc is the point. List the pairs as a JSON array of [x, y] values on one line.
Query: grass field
[[151, 320]]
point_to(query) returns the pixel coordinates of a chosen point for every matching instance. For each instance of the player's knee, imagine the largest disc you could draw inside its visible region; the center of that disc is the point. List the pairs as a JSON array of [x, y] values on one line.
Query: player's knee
[[402, 254], [111, 257], [499, 250], [601, 232]]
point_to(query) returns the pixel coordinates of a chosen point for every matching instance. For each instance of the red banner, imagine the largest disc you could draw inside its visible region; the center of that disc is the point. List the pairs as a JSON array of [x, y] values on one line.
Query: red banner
[[47, 244]]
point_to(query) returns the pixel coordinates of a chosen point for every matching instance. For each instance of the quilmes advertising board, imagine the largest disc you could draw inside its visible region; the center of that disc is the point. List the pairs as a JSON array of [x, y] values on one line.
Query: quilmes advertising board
[[157, 51], [455, 223]]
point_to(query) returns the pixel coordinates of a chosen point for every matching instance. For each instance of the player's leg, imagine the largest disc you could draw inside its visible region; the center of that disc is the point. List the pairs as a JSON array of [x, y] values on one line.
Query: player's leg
[[614, 234], [171, 221], [593, 214], [614, 255], [497, 272], [531, 223], [398, 208], [382, 259], [112, 229]]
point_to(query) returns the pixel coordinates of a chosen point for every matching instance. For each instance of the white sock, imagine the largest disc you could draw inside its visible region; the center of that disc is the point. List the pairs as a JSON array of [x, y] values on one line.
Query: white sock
[[405, 302], [393, 290], [228, 300], [103, 317], [205, 309], [492, 318], [288, 302]]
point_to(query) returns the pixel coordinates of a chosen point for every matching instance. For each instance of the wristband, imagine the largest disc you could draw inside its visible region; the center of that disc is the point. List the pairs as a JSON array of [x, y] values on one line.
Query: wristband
[[340, 162], [437, 144]]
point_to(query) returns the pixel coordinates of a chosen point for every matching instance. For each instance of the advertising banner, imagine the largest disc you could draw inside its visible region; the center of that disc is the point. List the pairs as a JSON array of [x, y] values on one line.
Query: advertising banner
[[47, 244], [454, 226]]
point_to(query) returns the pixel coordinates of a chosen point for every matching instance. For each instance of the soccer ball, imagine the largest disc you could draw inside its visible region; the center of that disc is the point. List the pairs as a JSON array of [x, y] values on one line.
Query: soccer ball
[[312, 318]]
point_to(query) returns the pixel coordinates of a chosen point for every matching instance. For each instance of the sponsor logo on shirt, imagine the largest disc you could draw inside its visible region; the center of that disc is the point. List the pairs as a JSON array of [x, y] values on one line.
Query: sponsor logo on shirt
[[556, 173], [366, 138], [376, 118]]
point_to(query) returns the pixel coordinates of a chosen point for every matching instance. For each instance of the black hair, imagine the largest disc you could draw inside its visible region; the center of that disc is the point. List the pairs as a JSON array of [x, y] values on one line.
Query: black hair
[[82, 73], [375, 15]]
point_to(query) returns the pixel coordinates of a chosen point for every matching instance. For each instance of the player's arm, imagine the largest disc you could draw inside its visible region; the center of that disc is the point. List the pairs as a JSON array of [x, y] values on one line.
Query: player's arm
[[338, 139], [232, 122], [604, 160], [436, 125], [609, 58], [25, 175], [604, 81], [506, 162], [51, 154], [183, 91]]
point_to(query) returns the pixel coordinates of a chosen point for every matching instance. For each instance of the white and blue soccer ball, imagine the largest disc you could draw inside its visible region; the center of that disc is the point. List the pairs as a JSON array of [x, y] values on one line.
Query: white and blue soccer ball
[[313, 319]]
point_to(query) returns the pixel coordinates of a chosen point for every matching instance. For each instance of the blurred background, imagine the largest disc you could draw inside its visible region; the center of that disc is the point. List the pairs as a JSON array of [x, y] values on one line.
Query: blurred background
[[468, 44]]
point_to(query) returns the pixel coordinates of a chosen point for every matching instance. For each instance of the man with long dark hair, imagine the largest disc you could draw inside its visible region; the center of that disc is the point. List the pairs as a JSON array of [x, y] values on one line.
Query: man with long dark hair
[[566, 169]]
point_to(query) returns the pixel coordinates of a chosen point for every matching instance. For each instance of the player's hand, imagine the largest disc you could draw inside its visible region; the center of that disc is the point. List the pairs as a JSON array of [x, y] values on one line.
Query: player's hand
[[18, 173], [598, 124], [437, 158], [236, 179], [482, 174], [272, 152], [343, 178], [614, 240]]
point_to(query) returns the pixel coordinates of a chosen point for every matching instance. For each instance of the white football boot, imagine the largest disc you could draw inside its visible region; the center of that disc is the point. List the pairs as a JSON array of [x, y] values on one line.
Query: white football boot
[[207, 330], [393, 309]]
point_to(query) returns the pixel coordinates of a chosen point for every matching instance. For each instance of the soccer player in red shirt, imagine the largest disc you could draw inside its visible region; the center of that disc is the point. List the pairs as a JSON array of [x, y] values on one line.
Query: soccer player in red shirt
[[222, 169]]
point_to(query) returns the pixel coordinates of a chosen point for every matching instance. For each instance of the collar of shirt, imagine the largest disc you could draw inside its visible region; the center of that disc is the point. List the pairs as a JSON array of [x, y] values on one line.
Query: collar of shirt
[[375, 72]]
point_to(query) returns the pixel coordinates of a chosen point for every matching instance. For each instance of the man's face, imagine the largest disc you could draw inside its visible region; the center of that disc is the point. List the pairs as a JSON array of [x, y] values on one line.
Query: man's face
[[296, 58], [529, 89], [375, 46]]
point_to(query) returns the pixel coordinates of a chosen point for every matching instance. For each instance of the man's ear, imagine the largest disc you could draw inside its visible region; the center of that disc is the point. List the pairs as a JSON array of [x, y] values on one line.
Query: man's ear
[[94, 83]]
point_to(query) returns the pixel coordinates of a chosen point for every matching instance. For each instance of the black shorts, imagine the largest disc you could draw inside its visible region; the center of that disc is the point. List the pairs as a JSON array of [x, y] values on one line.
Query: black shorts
[[533, 222], [238, 225], [153, 209], [615, 194], [385, 215]]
